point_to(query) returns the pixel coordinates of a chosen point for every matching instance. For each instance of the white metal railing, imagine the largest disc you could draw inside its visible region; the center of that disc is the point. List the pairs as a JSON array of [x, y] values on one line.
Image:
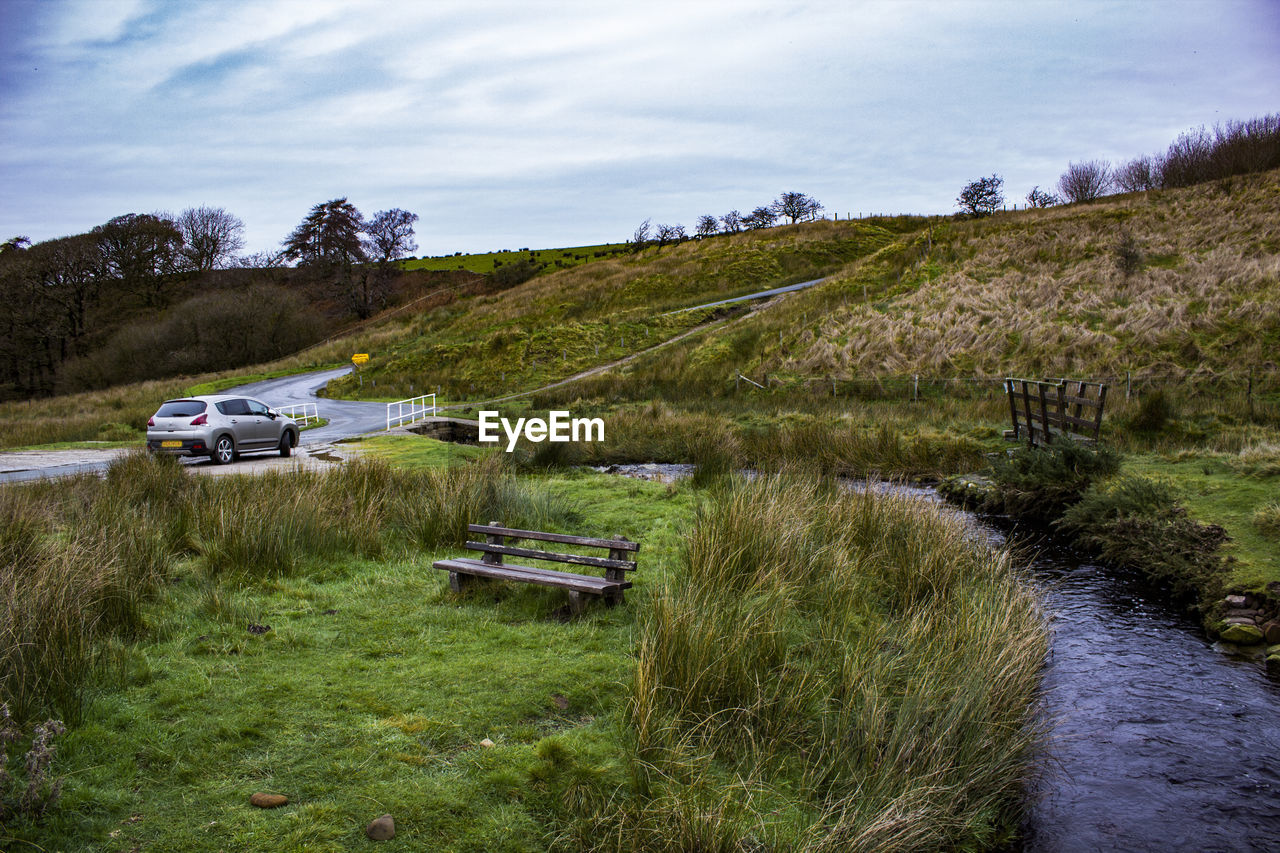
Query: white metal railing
[[303, 413], [410, 410]]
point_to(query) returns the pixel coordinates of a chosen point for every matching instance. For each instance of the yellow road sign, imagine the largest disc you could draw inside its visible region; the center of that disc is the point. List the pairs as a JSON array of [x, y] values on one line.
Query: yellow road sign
[[360, 358]]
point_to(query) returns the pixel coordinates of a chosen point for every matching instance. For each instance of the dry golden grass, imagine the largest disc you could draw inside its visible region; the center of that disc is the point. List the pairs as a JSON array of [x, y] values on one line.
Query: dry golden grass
[[1042, 292]]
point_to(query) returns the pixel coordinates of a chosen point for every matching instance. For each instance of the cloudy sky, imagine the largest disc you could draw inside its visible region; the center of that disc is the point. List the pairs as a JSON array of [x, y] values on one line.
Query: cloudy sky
[[511, 124]]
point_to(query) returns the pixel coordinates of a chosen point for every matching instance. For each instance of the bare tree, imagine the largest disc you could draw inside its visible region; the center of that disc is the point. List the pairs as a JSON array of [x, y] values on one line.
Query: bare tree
[[1140, 173], [665, 234], [260, 261], [732, 221], [797, 206], [982, 197], [761, 217], [708, 225], [14, 246], [390, 235], [211, 237], [1085, 181], [641, 237], [1042, 198]]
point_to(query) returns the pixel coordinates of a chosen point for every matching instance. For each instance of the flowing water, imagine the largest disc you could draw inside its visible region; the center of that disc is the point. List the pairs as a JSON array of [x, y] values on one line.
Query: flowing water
[[1158, 739]]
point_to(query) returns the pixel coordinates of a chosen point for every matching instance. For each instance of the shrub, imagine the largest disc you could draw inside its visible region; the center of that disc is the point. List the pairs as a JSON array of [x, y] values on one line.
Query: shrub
[[981, 197], [517, 272], [1085, 181], [40, 792], [1140, 173], [1042, 198], [1155, 411], [1138, 523], [1129, 257], [1040, 483]]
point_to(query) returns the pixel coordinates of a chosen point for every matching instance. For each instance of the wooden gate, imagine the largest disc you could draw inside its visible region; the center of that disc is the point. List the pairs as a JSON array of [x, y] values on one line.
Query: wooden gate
[[1042, 410]]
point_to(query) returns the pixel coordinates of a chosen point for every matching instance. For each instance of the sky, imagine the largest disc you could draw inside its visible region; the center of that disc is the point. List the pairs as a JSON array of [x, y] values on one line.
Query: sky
[[548, 124]]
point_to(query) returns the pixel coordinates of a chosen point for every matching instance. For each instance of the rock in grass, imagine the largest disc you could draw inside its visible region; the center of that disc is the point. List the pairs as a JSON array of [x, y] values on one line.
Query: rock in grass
[[268, 801], [1273, 664], [486, 743], [1242, 635], [382, 829], [1271, 631]]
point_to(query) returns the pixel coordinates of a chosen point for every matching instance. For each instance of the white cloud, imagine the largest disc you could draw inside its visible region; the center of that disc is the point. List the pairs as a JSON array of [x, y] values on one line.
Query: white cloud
[[268, 107]]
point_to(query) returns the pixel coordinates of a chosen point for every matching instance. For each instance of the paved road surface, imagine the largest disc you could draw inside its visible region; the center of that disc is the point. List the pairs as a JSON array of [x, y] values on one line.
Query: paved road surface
[[346, 419], [788, 289]]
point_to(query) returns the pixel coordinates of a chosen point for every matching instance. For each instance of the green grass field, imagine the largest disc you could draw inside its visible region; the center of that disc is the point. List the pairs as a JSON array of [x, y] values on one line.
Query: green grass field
[[487, 262], [312, 651]]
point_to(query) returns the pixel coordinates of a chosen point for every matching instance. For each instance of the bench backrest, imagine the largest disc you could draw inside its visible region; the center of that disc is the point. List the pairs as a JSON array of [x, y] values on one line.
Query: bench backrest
[[621, 551], [1043, 409]]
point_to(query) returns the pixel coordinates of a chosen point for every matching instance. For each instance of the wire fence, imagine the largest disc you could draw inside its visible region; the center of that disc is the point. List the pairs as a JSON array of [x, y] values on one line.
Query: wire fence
[[1260, 386]]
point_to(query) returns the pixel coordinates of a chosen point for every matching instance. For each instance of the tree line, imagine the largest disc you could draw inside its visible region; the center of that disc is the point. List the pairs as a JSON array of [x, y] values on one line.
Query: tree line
[[69, 300], [1197, 156], [792, 206]]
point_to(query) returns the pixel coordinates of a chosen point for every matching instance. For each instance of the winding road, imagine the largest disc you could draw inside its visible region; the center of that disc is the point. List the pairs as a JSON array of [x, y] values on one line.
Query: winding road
[[346, 418]]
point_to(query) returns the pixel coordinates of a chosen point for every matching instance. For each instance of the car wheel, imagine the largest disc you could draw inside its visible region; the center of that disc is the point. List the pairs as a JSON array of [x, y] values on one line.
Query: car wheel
[[224, 450], [286, 443]]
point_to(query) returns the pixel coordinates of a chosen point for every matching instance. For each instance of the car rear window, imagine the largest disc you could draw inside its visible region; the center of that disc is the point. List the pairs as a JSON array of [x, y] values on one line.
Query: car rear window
[[180, 409]]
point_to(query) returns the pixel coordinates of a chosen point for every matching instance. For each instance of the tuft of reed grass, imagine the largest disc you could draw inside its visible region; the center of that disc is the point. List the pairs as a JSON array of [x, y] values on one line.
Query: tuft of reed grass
[[1267, 519], [828, 671]]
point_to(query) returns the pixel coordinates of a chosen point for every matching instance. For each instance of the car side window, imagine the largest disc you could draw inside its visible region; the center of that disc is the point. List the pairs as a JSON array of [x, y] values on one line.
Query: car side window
[[233, 407], [256, 408]]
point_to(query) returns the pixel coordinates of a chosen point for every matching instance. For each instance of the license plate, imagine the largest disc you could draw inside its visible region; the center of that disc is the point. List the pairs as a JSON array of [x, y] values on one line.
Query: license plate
[[171, 444]]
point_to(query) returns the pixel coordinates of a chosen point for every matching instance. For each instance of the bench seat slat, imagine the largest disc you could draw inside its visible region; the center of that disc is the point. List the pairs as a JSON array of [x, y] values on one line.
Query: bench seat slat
[[527, 574], [534, 554], [562, 538]]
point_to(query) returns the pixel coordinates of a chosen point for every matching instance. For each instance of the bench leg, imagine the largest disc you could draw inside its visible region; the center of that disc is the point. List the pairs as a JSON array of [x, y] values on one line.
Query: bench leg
[[575, 602], [458, 582], [613, 599]]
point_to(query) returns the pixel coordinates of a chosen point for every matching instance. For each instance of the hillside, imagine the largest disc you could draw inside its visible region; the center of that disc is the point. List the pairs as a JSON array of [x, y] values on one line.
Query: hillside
[[563, 322], [1160, 284]]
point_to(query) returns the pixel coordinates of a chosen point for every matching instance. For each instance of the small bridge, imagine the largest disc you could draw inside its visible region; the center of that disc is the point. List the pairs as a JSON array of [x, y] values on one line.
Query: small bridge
[[1045, 409]]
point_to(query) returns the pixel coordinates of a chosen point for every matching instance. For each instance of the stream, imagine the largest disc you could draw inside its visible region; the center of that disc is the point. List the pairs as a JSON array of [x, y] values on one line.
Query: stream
[[1159, 740]]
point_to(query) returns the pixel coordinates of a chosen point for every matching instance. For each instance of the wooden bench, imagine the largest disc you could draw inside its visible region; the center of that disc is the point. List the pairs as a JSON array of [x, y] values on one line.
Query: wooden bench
[[494, 547], [1044, 409]]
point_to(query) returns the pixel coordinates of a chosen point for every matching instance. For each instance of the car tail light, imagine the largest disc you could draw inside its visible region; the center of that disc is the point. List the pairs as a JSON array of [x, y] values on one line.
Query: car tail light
[[151, 421], [201, 421]]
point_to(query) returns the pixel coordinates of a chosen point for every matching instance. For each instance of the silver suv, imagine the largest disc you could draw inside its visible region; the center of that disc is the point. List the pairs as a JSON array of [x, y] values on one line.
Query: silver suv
[[220, 427]]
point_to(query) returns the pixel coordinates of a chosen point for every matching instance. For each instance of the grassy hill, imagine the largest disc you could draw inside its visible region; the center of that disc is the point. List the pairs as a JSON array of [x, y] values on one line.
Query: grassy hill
[[487, 262], [1162, 284], [563, 322]]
